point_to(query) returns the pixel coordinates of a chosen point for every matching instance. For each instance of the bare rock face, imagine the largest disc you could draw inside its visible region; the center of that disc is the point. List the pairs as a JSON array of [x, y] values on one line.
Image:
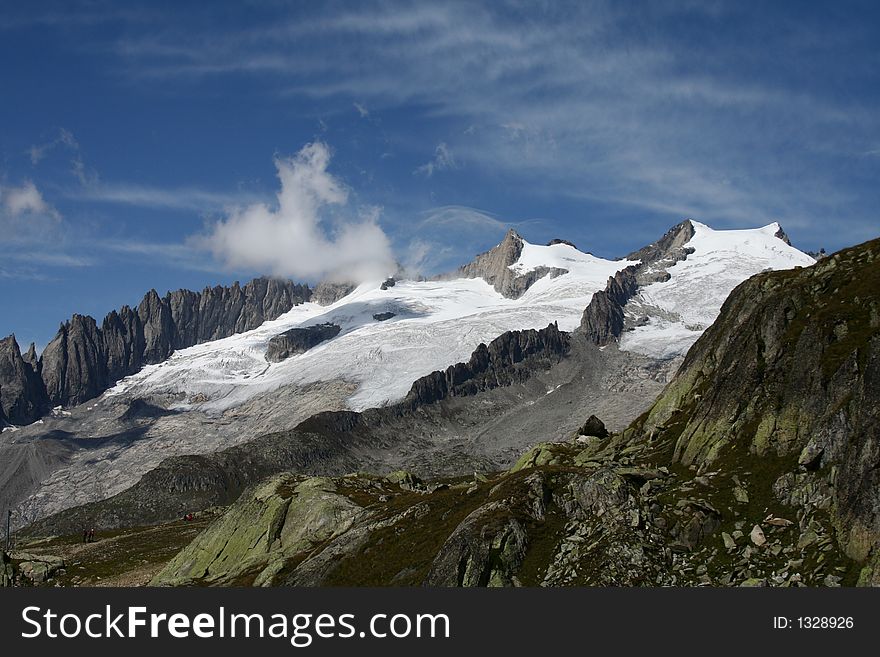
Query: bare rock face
[[73, 365], [327, 292], [22, 398], [31, 358], [299, 340], [603, 319], [509, 358], [493, 266]]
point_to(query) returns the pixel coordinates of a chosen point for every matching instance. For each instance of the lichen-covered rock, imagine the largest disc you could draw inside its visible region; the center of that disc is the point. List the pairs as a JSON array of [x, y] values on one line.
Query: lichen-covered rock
[[790, 373], [278, 520]]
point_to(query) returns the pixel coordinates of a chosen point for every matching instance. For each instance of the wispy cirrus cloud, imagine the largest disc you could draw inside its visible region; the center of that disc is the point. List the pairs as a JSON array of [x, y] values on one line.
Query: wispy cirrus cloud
[[443, 160], [587, 100], [174, 198]]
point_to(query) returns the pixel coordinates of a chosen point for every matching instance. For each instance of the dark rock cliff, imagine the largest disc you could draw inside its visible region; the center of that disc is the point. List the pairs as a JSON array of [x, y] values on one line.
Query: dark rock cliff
[[84, 359], [21, 392], [603, 318], [508, 359]]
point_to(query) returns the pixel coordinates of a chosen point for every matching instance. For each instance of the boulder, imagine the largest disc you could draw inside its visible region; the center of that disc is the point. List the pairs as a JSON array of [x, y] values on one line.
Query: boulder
[[593, 427]]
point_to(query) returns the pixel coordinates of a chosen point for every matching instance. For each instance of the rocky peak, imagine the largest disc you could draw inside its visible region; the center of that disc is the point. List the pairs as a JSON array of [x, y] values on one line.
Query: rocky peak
[[780, 233], [670, 246], [31, 357], [84, 359], [21, 394], [493, 266]]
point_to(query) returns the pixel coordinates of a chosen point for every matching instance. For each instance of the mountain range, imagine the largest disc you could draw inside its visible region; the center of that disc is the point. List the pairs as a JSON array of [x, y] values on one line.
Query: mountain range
[[473, 389]]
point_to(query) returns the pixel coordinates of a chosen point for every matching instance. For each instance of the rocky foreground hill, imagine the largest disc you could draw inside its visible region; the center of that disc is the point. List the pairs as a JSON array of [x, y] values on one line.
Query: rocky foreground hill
[[758, 465]]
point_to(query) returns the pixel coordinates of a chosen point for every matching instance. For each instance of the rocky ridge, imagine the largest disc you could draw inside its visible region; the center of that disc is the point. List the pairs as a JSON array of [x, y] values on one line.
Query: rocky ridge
[[84, 359], [603, 320]]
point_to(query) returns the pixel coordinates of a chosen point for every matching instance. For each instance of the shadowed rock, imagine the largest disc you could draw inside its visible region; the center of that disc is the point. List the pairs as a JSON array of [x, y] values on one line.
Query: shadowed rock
[[22, 398], [299, 340]]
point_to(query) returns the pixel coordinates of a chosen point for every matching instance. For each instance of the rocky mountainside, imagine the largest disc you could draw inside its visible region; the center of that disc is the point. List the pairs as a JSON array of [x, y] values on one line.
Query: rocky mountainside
[[224, 392], [603, 320], [332, 442], [790, 376], [84, 359], [757, 466]]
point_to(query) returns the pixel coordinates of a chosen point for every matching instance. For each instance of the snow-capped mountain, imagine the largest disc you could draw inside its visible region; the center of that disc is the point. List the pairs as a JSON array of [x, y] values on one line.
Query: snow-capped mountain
[[225, 392], [434, 324], [438, 323], [679, 309]]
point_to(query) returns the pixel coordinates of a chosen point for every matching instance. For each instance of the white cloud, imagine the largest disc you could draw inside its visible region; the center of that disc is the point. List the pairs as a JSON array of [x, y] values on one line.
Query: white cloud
[[179, 198], [443, 160], [24, 200], [293, 239]]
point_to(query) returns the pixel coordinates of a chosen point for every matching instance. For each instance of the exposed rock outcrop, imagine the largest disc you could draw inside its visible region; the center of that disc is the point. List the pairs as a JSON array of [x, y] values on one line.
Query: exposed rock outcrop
[[84, 359], [593, 427], [565, 515], [493, 266], [328, 292], [603, 319], [508, 359], [299, 340]]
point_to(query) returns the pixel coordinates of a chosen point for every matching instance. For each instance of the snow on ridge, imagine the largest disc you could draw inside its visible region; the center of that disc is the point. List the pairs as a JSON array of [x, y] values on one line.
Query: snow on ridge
[[681, 308], [436, 324]]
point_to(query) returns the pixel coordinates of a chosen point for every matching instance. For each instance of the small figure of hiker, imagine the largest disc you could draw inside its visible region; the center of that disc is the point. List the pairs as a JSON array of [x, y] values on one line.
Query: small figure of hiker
[[85, 535], [91, 535]]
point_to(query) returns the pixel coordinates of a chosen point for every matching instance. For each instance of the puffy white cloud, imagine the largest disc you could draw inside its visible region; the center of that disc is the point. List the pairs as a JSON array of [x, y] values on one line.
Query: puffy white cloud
[[295, 238]]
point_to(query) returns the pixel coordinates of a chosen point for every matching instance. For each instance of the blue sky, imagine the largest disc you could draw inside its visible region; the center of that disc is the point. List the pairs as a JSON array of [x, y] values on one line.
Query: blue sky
[[145, 145]]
